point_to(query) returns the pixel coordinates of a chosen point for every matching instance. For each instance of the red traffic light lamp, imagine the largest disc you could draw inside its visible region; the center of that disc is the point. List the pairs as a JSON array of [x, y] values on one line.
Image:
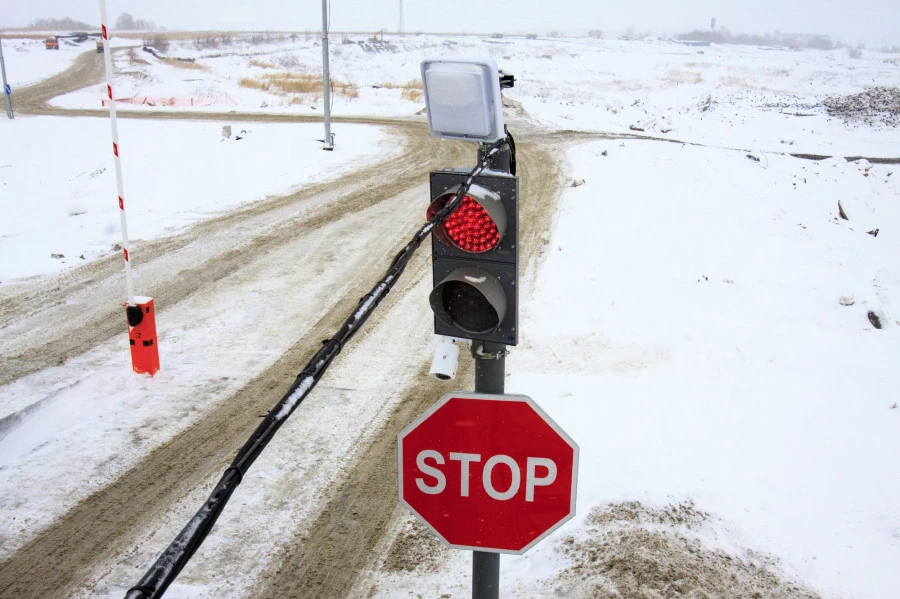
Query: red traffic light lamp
[[477, 225]]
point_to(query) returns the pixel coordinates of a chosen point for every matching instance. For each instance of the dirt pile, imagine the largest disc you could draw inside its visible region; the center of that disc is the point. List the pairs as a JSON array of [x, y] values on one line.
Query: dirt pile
[[630, 551], [876, 105], [415, 548]]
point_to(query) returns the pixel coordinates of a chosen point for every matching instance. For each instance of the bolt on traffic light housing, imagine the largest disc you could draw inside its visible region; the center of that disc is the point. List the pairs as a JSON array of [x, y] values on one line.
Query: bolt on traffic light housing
[[475, 256]]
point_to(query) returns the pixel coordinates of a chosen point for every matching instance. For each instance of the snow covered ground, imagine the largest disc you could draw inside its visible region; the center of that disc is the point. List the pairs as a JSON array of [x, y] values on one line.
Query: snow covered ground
[[700, 324], [72, 210], [731, 96], [699, 348], [28, 62]]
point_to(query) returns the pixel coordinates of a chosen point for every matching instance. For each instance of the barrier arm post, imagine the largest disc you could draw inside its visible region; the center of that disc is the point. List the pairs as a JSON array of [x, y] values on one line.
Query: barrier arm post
[[139, 311]]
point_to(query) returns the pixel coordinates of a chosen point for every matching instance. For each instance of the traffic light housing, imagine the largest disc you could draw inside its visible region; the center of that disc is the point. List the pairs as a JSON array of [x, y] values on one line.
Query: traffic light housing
[[475, 256]]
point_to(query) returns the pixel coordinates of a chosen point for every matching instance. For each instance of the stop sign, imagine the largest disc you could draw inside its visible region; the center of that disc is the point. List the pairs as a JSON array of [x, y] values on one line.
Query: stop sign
[[488, 472]]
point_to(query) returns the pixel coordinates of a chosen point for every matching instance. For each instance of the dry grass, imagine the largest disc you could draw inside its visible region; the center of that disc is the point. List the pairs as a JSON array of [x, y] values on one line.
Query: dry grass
[[263, 64], [159, 41], [184, 64], [412, 95], [134, 59], [412, 84], [183, 36], [348, 91], [297, 83], [136, 75], [252, 83], [205, 40], [411, 90]]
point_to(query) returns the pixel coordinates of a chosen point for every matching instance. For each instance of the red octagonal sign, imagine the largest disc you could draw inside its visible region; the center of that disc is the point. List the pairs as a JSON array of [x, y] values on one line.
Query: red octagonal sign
[[488, 472]]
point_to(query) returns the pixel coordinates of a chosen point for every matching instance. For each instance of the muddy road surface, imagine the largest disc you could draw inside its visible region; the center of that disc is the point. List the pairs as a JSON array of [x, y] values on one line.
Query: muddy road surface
[[102, 543]]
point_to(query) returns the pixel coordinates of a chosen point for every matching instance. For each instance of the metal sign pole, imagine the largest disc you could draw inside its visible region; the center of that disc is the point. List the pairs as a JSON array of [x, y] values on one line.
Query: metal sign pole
[[490, 373], [6, 88], [490, 377]]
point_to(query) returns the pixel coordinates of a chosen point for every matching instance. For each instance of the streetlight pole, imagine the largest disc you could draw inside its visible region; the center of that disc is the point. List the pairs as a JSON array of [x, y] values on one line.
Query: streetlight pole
[[326, 81], [6, 88]]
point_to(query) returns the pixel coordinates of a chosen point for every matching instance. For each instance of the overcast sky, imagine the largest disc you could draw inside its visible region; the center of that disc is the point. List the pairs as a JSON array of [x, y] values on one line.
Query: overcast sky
[[876, 22]]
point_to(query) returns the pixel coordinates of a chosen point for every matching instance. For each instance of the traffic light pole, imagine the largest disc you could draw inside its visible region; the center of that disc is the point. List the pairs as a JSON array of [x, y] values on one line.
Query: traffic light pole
[[490, 377], [490, 374]]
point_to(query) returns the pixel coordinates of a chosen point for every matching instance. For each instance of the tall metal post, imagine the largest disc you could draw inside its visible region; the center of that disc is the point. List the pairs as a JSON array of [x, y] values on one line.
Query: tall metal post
[[490, 377], [6, 88], [326, 80], [490, 374]]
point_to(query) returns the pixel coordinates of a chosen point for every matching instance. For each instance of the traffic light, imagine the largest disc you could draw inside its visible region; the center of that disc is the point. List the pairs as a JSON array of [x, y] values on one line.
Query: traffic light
[[475, 255]]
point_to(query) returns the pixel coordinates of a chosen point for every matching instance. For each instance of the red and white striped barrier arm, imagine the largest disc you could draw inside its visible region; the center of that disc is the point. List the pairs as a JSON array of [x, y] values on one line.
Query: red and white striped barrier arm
[[107, 58]]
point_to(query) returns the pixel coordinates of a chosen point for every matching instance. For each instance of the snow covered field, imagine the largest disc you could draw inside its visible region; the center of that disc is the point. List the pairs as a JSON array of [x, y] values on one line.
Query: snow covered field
[[28, 62], [72, 211], [700, 324], [698, 321]]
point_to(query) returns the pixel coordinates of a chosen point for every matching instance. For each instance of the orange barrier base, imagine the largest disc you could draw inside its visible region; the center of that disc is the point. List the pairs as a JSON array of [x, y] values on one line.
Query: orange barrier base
[[142, 336]]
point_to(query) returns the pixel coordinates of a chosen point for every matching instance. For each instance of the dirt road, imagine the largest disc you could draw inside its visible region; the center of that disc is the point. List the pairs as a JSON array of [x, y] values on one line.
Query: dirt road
[[328, 554], [86, 70]]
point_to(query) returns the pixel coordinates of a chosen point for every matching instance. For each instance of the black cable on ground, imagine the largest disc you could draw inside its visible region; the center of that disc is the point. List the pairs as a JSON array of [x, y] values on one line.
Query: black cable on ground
[[167, 567]]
